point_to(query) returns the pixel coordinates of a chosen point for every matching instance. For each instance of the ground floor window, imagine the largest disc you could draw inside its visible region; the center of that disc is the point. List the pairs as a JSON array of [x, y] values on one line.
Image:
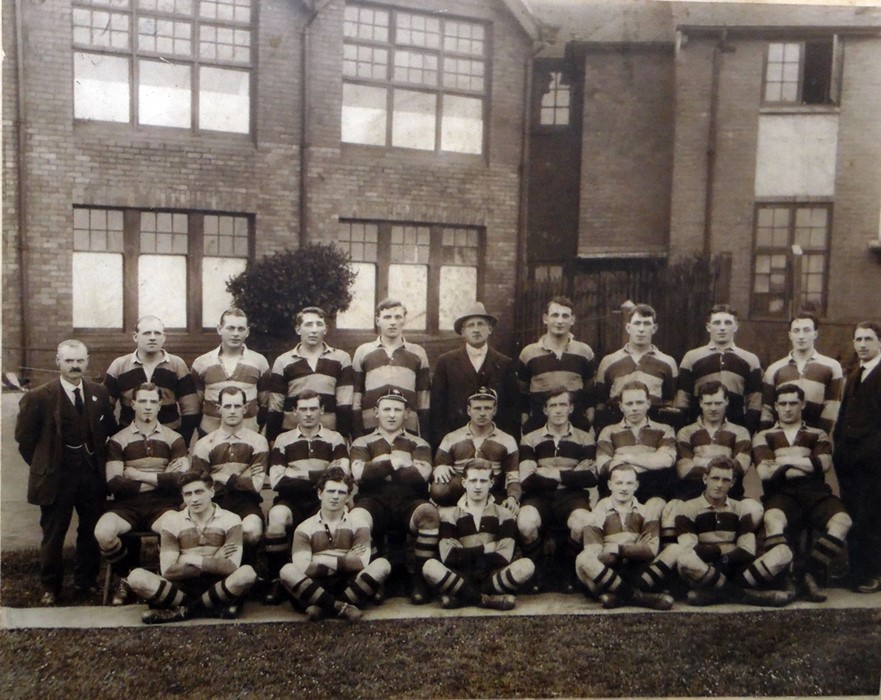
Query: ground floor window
[[434, 269], [128, 263], [790, 265]]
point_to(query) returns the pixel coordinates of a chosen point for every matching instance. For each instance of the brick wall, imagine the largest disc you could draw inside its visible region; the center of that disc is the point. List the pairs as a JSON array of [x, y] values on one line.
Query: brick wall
[[11, 337]]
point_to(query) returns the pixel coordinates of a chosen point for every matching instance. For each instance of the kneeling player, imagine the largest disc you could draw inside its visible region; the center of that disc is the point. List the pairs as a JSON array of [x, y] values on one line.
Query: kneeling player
[[200, 556], [476, 548], [330, 571], [621, 536]]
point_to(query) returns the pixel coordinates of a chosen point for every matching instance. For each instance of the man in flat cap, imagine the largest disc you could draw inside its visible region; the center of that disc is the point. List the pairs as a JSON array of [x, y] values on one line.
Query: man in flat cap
[[462, 372]]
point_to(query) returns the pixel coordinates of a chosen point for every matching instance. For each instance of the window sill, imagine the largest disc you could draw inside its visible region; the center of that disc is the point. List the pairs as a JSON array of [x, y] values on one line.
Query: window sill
[[412, 156], [799, 109], [170, 134]]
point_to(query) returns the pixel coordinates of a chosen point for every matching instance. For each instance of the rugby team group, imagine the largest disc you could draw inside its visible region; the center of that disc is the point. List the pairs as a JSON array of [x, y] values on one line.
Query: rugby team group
[[624, 477]]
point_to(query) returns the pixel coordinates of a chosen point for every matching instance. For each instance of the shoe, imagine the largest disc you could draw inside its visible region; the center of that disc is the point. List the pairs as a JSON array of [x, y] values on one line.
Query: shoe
[[609, 601], [379, 596], [121, 594], [870, 585], [421, 593], [498, 602], [314, 613], [230, 612], [773, 599], [86, 591], [275, 595], [451, 602], [48, 599], [349, 613], [812, 592], [699, 597], [655, 601], [160, 617]]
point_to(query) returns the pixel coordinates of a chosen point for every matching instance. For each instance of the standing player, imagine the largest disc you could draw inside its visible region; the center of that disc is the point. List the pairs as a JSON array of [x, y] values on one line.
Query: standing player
[[739, 370], [387, 363], [232, 364], [311, 365], [236, 457], [200, 556], [638, 360], [791, 459], [556, 467], [858, 457], [330, 571], [557, 358], [461, 372], [819, 376], [392, 468], [620, 539], [480, 439], [299, 457], [179, 409], [477, 549], [144, 464]]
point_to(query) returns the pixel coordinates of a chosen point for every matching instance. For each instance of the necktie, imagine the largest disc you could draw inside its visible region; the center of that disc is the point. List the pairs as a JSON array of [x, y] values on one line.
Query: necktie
[[78, 400], [859, 377]]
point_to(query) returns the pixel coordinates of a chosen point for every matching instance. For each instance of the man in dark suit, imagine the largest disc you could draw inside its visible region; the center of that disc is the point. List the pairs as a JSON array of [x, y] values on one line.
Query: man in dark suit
[[858, 457], [61, 430], [460, 373]]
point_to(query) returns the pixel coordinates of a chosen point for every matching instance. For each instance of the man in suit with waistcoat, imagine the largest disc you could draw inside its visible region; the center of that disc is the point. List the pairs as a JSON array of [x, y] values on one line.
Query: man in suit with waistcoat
[[462, 372], [857, 457], [61, 430]]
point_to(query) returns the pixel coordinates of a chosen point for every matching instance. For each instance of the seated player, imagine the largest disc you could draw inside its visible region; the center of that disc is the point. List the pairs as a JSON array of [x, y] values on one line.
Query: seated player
[[716, 549], [200, 557], [236, 458], [144, 463], [330, 573], [620, 540], [649, 447], [392, 468], [791, 459], [298, 458], [476, 548], [479, 439], [556, 469]]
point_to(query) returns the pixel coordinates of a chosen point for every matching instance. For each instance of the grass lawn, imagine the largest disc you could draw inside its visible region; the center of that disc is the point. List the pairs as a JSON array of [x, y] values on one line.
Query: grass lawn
[[796, 653]]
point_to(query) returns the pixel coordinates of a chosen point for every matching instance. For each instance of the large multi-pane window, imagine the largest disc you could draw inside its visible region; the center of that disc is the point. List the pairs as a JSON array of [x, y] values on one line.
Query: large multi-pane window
[[414, 80], [175, 63], [433, 269], [801, 72], [129, 263], [790, 237]]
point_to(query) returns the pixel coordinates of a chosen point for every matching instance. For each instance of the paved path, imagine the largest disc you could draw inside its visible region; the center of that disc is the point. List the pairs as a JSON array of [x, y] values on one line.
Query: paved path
[[398, 609]]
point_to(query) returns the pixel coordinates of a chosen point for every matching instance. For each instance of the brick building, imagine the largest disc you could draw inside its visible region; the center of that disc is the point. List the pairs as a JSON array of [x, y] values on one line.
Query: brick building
[[152, 147]]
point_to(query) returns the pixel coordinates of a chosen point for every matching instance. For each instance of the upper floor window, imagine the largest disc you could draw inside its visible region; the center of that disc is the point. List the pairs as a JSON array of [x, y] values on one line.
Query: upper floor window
[[555, 101], [177, 63], [414, 80], [801, 72], [433, 269], [790, 238], [129, 263]]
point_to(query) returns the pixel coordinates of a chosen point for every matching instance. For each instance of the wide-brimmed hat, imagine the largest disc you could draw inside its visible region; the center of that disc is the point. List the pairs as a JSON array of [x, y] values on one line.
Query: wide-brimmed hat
[[476, 309]]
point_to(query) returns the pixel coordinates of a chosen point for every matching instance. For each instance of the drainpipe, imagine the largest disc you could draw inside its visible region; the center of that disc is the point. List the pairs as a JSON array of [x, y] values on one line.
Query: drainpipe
[[712, 133], [23, 277], [305, 52]]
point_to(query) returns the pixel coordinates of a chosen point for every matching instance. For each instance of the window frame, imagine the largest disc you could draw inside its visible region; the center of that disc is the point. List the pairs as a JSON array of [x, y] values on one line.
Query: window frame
[[195, 255], [435, 263], [790, 304], [834, 78], [133, 54], [549, 70], [439, 91]]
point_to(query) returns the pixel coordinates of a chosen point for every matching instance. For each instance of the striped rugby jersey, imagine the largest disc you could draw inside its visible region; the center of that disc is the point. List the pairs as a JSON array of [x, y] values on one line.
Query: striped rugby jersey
[[296, 460], [700, 522], [654, 369], [243, 455], [496, 525], [332, 378], [313, 536], [622, 525], [573, 453], [540, 369], [739, 370], [408, 481], [177, 391], [219, 542], [499, 448], [695, 440], [376, 371], [813, 443], [251, 374], [149, 452], [822, 380], [619, 440]]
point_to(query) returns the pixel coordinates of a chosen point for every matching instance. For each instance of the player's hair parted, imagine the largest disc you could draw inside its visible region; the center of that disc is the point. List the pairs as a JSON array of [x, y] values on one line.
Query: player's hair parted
[[232, 390], [476, 464], [307, 394], [623, 468], [334, 474], [722, 309], [146, 386], [636, 385], [389, 303], [233, 311], [301, 314], [556, 391], [643, 310], [711, 387], [805, 315], [789, 389], [722, 462], [190, 477], [560, 300]]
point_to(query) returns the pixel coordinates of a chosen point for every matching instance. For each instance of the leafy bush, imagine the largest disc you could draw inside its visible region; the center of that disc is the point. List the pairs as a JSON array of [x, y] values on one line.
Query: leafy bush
[[273, 289]]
